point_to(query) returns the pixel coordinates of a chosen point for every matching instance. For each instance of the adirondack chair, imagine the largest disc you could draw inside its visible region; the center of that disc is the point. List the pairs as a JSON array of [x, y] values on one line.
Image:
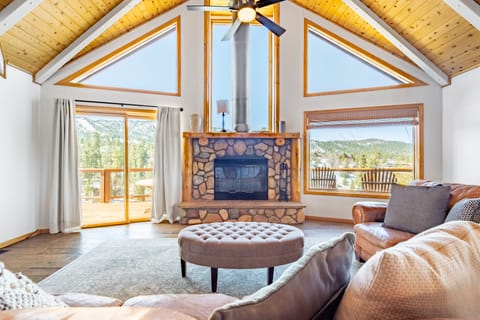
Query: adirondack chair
[[378, 180], [323, 178]]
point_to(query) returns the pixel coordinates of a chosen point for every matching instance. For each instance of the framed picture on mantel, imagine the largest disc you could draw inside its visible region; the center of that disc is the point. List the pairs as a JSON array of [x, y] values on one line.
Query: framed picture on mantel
[[3, 66]]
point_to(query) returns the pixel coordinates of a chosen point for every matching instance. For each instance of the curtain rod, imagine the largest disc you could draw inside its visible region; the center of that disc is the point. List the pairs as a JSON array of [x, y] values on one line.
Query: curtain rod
[[120, 103]]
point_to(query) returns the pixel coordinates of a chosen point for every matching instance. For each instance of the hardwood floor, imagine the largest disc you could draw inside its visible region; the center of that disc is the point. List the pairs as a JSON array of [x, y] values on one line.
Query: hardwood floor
[[42, 255]]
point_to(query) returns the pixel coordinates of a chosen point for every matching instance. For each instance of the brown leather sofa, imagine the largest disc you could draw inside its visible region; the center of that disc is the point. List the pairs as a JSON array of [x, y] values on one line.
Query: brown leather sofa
[[372, 235]]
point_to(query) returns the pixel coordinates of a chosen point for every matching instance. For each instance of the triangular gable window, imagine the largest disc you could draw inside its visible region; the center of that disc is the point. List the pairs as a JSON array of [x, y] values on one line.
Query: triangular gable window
[[334, 65], [149, 64]]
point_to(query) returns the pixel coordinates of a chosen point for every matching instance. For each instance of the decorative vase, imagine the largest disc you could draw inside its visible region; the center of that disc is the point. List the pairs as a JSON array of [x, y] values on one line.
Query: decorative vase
[[195, 122], [282, 128]]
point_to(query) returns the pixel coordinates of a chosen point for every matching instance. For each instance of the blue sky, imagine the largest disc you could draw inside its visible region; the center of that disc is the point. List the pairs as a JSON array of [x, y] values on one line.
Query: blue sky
[[331, 68], [222, 76], [154, 67], [401, 133], [151, 67]]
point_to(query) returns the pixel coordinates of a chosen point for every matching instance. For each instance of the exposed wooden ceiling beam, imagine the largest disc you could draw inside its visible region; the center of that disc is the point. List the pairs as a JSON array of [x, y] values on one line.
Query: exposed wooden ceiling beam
[[468, 9], [14, 12], [81, 42], [401, 43]]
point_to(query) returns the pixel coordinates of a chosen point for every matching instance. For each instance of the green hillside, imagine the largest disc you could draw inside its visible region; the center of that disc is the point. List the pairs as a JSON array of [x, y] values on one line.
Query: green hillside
[[368, 153]]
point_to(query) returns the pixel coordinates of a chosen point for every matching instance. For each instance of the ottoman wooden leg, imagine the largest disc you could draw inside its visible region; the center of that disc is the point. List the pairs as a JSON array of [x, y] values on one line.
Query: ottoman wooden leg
[[214, 277], [270, 275], [183, 266]]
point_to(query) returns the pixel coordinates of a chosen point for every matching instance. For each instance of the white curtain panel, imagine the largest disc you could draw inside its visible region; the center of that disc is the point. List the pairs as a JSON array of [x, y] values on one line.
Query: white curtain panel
[[65, 206], [167, 177]]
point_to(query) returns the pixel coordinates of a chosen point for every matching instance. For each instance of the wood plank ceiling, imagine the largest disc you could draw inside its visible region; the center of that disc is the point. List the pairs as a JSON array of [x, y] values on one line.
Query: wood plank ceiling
[[54, 24], [436, 30]]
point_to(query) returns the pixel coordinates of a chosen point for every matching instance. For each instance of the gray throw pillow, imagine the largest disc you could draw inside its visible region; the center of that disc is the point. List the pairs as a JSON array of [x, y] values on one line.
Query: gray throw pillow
[[416, 208], [465, 209], [307, 289]]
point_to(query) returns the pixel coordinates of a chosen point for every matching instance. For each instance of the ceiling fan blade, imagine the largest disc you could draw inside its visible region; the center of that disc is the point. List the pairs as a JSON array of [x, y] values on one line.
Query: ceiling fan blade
[[270, 25], [235, 25], [195, 7], [264, 3]]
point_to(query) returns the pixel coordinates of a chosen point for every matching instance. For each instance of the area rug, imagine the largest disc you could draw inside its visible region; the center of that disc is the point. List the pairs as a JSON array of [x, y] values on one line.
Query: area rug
[[127, 268]]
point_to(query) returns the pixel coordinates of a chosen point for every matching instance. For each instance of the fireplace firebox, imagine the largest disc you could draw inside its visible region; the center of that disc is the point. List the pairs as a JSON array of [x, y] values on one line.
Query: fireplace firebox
[[241, 178]]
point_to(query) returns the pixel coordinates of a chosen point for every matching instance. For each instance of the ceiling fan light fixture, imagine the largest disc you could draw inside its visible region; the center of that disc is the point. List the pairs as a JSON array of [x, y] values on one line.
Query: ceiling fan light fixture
[[246, 14]]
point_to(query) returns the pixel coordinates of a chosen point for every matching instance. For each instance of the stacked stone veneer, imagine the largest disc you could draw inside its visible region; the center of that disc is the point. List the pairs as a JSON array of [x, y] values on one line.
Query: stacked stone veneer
[[205, 151], [200, 206], [206, 214]]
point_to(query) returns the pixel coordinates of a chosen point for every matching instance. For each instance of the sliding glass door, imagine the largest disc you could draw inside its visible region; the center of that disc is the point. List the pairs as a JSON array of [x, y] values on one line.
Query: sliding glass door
[[141, 145], [116, 148]]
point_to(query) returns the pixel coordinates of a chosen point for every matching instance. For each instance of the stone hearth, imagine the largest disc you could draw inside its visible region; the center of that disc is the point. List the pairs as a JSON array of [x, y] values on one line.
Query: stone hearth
[[200, 151]]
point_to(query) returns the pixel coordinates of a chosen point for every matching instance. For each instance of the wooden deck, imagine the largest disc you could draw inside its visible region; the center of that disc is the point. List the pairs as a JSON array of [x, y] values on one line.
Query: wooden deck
[[94, 214]]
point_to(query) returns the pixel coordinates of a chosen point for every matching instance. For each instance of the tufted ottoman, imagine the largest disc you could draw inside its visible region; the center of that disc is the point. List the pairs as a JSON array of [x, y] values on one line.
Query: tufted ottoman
[[239, 245]]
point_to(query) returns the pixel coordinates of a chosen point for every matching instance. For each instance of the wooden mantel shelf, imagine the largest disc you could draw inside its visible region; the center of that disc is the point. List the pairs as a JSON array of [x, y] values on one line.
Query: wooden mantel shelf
[[241, 135], [259, 204]]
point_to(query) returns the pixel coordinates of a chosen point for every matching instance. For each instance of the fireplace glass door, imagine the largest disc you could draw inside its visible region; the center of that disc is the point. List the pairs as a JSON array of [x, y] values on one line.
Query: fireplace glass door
[[241, 178]]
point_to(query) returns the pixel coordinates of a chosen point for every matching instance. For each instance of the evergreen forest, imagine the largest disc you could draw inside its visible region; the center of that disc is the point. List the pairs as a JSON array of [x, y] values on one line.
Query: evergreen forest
[[101, 143]]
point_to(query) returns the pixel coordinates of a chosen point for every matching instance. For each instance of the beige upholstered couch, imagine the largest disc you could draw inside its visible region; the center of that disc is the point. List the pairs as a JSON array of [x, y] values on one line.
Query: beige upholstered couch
[[310, 287], [432, 275]]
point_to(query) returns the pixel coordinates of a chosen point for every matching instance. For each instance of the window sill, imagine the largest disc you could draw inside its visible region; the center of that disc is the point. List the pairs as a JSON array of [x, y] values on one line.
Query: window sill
[[348, 193]]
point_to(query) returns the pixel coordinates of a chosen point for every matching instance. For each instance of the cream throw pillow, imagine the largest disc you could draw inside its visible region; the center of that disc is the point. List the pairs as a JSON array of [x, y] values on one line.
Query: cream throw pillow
[[18, 291], [434, 274]]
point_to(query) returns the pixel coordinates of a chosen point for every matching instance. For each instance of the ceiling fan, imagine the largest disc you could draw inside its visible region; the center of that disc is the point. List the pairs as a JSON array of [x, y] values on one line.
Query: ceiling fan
[[246, 12]]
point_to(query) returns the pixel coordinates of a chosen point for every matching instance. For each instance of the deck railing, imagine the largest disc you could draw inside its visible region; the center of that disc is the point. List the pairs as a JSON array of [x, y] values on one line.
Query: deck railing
[[107, 184], [323, 178]]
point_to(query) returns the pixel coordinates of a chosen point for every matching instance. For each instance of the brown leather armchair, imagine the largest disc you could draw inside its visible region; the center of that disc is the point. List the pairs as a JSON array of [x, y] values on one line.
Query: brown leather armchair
[[372, 235]]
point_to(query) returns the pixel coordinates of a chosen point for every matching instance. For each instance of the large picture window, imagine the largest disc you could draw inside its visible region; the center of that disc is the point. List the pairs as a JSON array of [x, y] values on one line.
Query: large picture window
[[149, 64], [262, 75], [362, 151], [335, 65]]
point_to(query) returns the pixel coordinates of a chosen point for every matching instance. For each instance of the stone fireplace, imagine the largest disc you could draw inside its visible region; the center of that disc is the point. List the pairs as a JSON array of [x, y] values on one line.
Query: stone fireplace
[[238, 177]]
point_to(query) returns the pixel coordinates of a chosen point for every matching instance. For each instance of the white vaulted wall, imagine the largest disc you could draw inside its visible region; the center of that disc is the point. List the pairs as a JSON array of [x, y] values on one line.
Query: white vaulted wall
[[23, 203], [461, 134], [191, 98], [292, 102], [19, 104]]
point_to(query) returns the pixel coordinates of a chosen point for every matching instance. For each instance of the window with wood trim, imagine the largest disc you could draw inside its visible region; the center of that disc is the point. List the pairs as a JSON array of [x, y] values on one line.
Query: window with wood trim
[[362, 151], [334, 65], [263, 73], [149, 64]]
